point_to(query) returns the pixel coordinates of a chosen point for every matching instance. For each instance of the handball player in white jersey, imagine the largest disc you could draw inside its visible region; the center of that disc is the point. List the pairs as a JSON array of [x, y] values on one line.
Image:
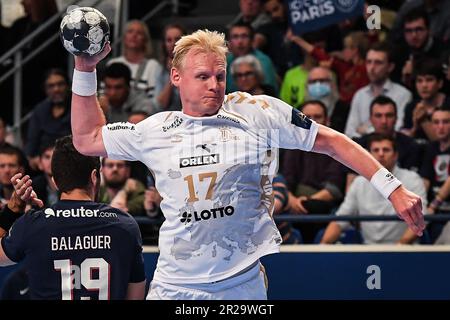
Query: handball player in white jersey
[[213, 166]]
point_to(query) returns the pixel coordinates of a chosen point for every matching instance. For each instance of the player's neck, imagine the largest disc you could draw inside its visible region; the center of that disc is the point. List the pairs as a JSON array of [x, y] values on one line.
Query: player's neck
[[77, 194]]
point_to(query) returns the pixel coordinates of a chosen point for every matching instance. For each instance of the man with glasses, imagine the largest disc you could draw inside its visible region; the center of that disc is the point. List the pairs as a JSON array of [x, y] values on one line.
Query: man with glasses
[[119, 190], [418, 43], [51, 117], [240, 39]]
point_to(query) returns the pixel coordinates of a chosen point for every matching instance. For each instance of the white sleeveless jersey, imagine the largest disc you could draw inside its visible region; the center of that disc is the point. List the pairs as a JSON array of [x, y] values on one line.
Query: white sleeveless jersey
[[215, 176]]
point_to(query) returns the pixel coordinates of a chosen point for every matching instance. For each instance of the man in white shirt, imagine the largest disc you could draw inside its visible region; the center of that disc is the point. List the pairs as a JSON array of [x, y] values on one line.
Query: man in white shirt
[[379, 66], [363, 199], [213, 166]]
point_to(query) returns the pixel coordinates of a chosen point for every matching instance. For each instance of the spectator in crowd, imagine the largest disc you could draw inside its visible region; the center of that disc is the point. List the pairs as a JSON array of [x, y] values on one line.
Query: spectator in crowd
[[51, 117], [168, 98], [119, 98], [429, 81], [271, 38], [240, 44], [436, 167], [137, 51], [379, 65], [12, 161], [119, 190], [252, 13], [248, 76], [321, 85], [436, 162], [43, 184], [438, 12], [383, 116], [363, 199], [419, 43], [348, 64], [315, 181]]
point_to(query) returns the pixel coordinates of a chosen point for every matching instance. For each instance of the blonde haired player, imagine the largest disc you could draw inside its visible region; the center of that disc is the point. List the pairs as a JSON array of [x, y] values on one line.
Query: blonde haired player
[[213, 168]]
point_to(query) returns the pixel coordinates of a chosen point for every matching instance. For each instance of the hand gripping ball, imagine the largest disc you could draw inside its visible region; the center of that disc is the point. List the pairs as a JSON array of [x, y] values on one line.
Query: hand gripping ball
[[84, 30]]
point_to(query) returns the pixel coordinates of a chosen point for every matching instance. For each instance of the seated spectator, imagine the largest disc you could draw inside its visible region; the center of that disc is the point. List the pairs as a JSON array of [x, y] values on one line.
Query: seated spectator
[[429, 80], [252, 13], [119, 190], [43, 184], [419, 43], [137, 51], [438, 12], [12, 161], [436, 167], [378, 66], [240, 38], [321, 86], [363, 199], [249, 77], [383, 116], [168, 97], [348, 64], [51, 117], [119, 99], [315, 180]]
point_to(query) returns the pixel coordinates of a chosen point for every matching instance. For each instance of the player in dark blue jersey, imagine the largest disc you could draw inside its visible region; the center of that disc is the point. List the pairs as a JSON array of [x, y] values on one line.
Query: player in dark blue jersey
[[77, 248]]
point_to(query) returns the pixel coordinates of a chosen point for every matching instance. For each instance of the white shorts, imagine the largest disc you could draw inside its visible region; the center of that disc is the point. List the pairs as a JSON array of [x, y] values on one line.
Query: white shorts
[[247, 286]]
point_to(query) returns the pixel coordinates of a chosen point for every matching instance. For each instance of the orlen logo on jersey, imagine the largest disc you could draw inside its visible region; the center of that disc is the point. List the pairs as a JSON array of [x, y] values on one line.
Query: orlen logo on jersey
[[199, 160], [78, 213], [207, 214]]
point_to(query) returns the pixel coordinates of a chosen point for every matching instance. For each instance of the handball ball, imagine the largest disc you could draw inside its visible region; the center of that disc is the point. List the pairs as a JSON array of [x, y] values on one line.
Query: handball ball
[[84, 30]]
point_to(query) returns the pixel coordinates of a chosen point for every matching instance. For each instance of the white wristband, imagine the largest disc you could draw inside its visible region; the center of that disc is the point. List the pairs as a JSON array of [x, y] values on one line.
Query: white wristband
[[84, 83], [385, 182]]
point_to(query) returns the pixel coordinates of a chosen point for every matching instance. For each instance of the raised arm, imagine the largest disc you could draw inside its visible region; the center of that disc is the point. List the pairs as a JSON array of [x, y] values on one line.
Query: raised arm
[[87, 117], [407, 204]]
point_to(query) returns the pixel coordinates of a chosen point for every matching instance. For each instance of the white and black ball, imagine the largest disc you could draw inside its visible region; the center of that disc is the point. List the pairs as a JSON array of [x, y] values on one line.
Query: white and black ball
[[84, 30]]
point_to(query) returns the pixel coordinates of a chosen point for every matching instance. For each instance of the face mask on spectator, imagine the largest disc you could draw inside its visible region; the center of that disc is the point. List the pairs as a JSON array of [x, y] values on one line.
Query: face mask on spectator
[[319, 90]]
